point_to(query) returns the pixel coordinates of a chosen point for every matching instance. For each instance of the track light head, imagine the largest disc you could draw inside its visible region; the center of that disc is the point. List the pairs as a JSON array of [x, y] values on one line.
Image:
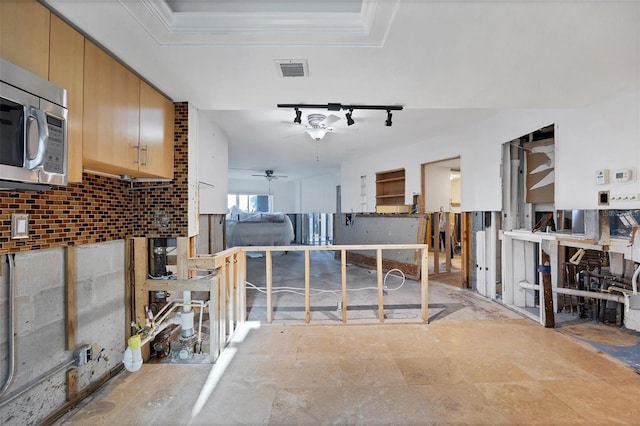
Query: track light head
[[298, 119], [349, 117], [388, 122]]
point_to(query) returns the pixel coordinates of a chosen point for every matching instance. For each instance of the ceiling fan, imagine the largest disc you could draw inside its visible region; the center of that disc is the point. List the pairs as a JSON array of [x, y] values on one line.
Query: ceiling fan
[[268, 174], [319, 125]]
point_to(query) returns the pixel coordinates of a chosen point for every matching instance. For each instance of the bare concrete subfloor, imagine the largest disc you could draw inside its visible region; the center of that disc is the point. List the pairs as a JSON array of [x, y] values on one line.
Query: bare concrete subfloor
[[474, 363]]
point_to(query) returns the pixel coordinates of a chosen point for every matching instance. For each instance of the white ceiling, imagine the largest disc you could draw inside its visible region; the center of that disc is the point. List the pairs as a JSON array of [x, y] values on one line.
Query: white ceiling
[[449, 63]]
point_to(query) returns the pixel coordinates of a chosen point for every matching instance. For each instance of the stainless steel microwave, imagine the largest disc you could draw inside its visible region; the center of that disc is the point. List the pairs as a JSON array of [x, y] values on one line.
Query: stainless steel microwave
[[33, 130]]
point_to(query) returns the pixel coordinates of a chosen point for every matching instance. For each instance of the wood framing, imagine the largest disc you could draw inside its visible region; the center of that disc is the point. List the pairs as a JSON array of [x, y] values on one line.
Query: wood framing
[[71, 309]]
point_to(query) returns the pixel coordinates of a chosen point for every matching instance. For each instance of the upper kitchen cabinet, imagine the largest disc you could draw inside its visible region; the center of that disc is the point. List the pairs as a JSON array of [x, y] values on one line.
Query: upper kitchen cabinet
[[111, 124], [156, 133], [24, 35], [66, 69]]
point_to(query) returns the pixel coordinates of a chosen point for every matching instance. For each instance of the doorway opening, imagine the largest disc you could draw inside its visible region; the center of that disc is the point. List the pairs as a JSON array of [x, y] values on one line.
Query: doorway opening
[[447, 235]]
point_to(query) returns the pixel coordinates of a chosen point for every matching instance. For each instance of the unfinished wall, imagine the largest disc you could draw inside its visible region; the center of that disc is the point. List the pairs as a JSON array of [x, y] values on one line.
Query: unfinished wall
[[39, 312], [210, 240], [94, 218], [355, 229], [100, 304]]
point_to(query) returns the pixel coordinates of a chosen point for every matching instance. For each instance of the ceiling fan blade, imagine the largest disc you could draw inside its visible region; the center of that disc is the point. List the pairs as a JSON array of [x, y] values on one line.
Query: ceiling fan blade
[[329, 120]]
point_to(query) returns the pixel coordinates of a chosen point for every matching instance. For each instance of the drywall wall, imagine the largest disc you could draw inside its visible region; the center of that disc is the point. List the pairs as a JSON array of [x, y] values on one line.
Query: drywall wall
[[212, 159], [610, 129], [283, 192], [437, 188], [39, 312], [318, 194]]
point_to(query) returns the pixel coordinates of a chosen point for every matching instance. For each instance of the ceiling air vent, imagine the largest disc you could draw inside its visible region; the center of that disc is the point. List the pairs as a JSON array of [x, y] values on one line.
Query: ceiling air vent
[[292, 67]]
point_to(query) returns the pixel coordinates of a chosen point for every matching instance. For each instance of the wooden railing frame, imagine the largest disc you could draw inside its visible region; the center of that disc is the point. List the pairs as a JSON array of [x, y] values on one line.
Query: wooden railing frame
[[233, 279]]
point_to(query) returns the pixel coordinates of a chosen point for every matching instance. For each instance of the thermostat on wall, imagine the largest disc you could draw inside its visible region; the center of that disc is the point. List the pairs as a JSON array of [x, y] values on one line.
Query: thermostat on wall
[[602, 177], [623, 175]]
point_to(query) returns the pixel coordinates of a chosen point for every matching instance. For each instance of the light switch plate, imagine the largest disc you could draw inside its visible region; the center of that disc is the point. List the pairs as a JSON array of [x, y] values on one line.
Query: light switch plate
[[19, 226]]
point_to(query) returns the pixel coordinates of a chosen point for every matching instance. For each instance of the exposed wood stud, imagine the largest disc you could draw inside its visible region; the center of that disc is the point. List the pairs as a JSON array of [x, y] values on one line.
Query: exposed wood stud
[[343, 261], [307, 287], [70, 298], [269, 279], [380, 286], [72, 384]]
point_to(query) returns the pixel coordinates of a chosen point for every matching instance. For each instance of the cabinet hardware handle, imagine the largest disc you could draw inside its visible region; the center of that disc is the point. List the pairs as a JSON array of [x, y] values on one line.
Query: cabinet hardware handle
[[146, 156], [138, 148]]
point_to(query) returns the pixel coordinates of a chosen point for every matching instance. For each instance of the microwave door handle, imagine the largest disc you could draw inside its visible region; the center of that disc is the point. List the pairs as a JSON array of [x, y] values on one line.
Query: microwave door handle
[[43, 136]]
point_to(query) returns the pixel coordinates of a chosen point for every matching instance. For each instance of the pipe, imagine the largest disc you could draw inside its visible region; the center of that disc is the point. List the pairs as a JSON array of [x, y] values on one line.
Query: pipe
[[36, 381], [11, 327], [634, 280], [199, 341], [574, 292], [528, 286]]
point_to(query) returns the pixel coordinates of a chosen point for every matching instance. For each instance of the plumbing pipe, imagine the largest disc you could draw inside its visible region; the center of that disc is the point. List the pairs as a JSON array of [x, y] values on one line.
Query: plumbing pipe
[[11, 327], [591, 294], [574, 292], [199, 341], [634, 280], [528, 286]]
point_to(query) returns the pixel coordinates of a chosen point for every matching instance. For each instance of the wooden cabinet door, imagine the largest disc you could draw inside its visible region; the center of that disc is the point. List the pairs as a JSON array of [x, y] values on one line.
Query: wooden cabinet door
[[111, 114], [24, 35], [66, 69], [156, 133]]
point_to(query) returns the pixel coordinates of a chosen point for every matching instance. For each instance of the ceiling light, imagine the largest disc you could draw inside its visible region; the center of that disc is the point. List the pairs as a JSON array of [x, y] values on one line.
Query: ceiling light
[[338, 106], [298, 119], [349, 118], [317, 133]]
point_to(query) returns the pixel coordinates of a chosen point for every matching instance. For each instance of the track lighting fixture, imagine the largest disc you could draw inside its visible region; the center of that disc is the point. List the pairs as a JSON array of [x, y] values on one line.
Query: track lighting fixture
[[337, 107], [349, 117]]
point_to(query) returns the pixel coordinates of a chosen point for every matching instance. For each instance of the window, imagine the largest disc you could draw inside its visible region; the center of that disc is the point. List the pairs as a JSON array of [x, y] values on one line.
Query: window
[[250, 203]]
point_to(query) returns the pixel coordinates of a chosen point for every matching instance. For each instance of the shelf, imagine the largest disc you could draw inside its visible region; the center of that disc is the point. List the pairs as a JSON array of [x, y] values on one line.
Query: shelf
[[390, 188], [390, 196], [390, 180]]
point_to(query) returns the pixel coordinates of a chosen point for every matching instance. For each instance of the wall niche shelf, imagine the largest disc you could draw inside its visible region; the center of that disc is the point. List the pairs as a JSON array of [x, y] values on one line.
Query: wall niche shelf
[[390, 187]]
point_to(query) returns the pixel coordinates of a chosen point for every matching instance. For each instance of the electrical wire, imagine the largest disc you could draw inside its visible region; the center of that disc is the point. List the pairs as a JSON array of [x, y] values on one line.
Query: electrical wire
[[296, 290]]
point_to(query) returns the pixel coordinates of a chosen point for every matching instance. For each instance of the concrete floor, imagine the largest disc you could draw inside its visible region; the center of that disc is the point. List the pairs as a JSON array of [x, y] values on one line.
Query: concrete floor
[[474, 363]]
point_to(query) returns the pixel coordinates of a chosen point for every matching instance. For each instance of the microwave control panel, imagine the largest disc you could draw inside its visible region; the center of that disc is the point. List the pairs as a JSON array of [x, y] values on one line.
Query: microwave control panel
[[54, 159]]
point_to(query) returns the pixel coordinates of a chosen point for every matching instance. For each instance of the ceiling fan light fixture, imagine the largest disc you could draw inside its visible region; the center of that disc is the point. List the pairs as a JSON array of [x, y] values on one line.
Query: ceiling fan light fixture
[[298, 119], [349, 117], [317, 133]]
